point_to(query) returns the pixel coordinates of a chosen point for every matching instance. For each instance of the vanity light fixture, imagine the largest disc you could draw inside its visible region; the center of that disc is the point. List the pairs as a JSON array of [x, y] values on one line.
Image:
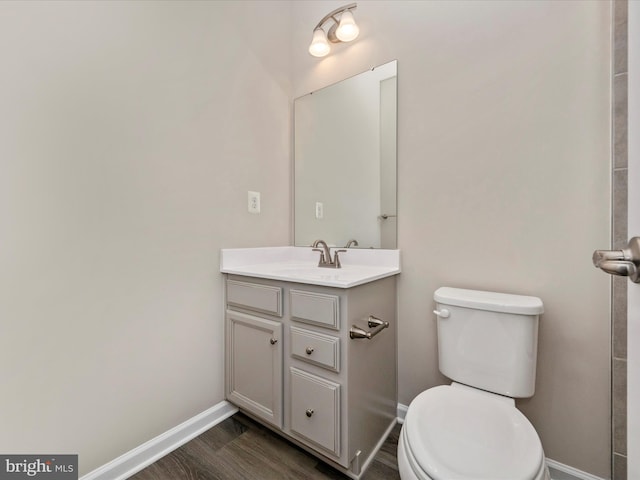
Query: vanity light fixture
[[344, 29]]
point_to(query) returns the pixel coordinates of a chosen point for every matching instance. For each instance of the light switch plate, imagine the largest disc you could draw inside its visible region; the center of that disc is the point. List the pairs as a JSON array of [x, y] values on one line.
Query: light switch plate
[[253, 205], [319, 210]]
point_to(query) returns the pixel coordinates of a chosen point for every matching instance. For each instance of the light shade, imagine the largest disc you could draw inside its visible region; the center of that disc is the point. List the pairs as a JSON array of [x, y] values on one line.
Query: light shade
[[347, 30], [319, 44]]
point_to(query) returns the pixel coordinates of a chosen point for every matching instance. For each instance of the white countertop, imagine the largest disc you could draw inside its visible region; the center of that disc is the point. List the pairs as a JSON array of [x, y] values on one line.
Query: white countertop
[[300, 264]]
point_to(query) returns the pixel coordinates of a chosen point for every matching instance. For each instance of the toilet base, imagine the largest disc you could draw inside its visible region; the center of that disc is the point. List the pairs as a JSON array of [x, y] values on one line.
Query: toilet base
[[407, 472]]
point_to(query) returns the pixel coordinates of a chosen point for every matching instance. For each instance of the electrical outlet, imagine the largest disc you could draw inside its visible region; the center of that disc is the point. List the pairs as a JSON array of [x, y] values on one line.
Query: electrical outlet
[[319, 210], [253, 202]]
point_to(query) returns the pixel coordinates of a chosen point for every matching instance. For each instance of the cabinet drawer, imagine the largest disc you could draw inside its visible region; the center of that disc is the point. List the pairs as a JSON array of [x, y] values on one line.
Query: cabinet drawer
[[313, 347], [315, 410], [315, 308], [253, 296]]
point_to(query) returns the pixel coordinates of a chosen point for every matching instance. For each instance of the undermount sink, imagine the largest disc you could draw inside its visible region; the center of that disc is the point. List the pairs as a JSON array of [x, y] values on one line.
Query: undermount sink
[[300, 264]]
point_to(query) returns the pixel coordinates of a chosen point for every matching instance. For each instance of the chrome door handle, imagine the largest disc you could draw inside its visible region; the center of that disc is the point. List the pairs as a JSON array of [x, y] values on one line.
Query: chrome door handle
[[624, 262], [618, 267]]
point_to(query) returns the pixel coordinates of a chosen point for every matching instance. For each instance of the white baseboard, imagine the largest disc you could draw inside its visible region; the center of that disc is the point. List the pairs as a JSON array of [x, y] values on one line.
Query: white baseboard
[[560, 471], [401, 412], [557, 470], [140, 457]]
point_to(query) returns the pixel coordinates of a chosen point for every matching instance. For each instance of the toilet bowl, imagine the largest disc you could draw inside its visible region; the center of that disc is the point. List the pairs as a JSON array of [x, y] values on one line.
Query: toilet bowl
[[458, 432], [471, 429]]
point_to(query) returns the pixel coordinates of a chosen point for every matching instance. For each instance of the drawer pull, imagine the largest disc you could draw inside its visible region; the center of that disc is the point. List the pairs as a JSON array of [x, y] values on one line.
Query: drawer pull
[[273, 341], [309, 412], [309, 350], [373, 322]]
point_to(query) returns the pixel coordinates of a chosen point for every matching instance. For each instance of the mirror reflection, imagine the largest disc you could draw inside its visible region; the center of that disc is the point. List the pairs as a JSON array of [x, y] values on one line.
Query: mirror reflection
[[345, 162]]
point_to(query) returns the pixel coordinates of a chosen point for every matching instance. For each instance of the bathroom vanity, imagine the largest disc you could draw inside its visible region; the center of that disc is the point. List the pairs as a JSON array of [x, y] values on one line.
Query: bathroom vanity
[[311, 352]]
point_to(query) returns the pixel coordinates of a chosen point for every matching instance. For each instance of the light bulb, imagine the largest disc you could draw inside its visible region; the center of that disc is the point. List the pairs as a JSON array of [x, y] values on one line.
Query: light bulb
[[347, 30], [319, 45]]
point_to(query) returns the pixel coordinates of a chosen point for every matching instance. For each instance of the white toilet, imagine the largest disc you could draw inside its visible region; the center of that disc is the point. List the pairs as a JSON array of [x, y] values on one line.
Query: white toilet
[[471, 429]]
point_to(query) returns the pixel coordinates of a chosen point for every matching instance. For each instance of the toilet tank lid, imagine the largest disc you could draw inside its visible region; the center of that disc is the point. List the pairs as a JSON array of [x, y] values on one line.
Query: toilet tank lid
[[492, 301]]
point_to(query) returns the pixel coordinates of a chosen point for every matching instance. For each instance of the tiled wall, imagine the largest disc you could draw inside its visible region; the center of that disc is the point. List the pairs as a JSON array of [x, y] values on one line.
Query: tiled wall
[[619, 240]]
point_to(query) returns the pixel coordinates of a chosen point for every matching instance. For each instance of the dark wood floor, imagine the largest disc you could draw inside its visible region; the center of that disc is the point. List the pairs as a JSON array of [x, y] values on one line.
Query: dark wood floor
[[241, 449]]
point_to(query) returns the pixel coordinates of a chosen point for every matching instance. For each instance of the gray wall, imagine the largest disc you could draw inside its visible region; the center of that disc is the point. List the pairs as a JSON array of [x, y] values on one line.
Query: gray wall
[[130, 133], [504, 182]]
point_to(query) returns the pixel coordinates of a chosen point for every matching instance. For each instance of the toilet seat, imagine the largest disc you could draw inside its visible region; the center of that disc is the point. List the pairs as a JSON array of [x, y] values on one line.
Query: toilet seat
[[457, 432]]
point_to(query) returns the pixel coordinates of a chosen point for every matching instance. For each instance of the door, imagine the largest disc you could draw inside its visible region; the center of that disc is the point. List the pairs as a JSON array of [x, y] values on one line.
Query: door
[[254, 365], [633, 292]]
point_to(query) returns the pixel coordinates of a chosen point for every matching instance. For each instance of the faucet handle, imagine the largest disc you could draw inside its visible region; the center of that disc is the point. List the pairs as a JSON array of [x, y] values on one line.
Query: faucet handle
[[322, 259], [336, 259]]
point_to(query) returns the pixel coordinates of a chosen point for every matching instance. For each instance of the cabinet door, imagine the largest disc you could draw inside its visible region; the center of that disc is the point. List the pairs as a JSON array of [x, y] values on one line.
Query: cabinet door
[[254, 365]]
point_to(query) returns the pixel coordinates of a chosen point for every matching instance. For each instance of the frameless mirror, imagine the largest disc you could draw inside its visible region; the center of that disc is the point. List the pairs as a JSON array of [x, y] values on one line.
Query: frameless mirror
[[345, 162]]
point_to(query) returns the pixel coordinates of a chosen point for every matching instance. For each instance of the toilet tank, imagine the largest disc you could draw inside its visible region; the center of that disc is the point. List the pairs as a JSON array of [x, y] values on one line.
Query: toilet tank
[[488, 340]]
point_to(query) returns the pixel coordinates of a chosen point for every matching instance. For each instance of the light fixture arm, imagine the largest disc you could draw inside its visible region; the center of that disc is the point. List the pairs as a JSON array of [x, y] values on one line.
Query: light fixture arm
[[331, 15]]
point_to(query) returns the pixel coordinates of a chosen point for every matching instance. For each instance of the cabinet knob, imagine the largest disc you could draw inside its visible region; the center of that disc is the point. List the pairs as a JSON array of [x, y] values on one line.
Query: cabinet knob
[[273, 341], [309, 350], [309, 412]]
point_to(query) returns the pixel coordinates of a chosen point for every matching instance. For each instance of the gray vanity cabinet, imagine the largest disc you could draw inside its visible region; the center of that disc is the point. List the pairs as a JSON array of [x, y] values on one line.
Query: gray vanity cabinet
[[291, 363]]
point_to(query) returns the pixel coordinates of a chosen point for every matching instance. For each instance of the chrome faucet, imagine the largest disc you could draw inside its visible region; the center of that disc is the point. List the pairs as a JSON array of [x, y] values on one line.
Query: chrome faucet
[[325, 255], [353, 242]]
